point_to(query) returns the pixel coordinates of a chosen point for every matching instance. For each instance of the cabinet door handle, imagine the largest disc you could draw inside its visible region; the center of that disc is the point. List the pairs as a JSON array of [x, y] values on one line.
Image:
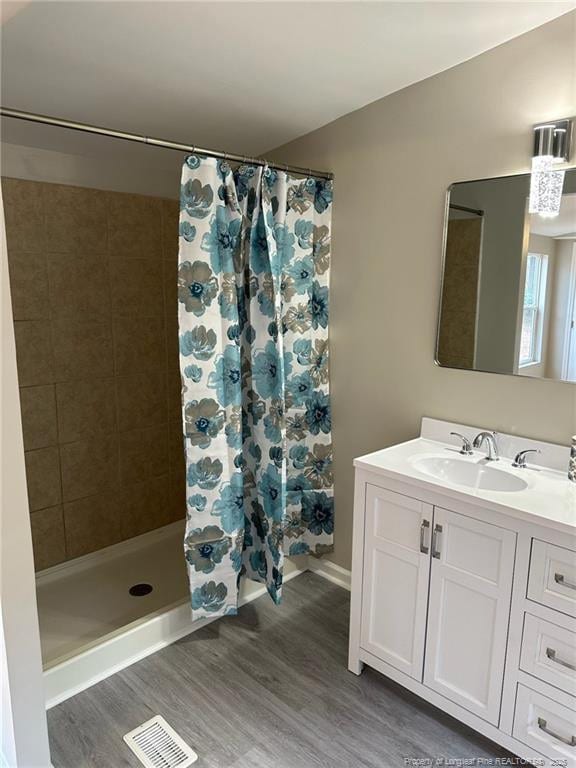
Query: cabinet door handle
[[559, 579], [551, 654], [543, 725], [435, 549], [423, 528]]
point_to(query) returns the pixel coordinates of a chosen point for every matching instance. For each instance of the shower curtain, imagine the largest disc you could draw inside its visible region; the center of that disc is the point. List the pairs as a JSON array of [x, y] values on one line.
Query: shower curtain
[[253, 301]]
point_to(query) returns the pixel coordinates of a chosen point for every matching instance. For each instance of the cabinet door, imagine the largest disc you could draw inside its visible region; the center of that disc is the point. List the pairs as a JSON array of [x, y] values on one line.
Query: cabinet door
[[468, 613], [396, 572]]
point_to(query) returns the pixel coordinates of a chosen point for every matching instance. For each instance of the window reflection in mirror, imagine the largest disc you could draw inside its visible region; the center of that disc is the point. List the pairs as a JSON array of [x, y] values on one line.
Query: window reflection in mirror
[[509, 282]]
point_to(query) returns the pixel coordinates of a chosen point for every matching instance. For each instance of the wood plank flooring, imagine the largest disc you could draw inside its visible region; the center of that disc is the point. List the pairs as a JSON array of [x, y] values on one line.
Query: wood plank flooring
[[266, 689]]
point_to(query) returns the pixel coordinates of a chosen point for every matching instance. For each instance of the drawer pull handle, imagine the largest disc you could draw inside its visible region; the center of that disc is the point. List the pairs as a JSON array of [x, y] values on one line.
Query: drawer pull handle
[[559, 579], [551, 654], [435, 549], [423, 528], [543, 725]]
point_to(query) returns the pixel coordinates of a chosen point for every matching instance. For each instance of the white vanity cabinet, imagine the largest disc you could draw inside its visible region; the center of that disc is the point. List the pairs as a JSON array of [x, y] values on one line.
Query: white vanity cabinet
[[468, 606]]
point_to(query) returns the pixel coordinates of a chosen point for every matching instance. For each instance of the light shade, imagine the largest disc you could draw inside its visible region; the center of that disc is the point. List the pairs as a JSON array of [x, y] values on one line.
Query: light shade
[[546, 184]]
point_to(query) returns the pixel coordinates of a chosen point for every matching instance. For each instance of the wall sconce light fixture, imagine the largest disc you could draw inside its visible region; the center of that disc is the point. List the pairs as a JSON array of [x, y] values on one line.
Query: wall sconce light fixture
[[552, 144]]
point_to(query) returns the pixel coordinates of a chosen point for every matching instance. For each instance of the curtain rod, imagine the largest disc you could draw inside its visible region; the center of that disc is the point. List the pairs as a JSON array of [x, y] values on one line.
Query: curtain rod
[[31, 117]]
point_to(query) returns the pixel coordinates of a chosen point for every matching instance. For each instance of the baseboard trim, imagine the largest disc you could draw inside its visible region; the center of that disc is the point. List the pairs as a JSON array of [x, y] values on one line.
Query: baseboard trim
[[330, 571], [130, 644]]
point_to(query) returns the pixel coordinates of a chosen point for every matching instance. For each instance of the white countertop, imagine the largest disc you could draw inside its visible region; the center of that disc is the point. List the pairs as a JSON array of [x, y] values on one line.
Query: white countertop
[[549, 499]]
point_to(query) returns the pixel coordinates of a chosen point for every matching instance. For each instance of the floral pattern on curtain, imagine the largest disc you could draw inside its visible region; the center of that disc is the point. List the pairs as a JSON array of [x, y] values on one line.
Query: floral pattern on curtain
[[253, 305]]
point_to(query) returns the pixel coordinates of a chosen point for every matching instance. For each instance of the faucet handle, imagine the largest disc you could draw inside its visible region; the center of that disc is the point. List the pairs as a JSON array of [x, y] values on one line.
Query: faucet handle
[[466, 449], [520, 458]]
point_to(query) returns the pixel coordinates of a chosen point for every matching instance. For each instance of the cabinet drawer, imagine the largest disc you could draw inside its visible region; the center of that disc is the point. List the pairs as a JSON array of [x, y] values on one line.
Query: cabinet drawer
[[549, 653], [545, 725], [552, 579]]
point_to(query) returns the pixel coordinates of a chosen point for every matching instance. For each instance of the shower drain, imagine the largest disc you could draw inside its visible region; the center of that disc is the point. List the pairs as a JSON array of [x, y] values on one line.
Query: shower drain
[[139, 590]]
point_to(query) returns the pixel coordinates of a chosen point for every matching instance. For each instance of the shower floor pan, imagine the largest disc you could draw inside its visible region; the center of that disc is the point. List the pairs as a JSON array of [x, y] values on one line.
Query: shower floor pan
[[91, 626]]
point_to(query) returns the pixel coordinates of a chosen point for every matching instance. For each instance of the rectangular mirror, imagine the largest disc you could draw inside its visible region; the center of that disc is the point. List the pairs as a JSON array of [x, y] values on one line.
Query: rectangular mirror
[[508, 302]]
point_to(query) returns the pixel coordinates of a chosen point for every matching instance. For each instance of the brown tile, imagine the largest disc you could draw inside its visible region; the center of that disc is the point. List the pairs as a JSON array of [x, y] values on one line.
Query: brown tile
[[135, 226], [34, 352], [136, 286], [170, 216], [23, 214], [48, 538], [141, 400], [143, 454], [86, 408], [170, 270], [177, 496], [89, 467], [28, 285], [174, 393], [138, 344], [92, 523], [38, 405], [78, 285], [43, 478], [75, 219], [82, 348], [145, 507], [176, 447]]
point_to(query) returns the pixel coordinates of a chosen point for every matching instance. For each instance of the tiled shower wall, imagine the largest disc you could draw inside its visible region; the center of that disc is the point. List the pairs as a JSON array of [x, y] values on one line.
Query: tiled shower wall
[[93, 281]]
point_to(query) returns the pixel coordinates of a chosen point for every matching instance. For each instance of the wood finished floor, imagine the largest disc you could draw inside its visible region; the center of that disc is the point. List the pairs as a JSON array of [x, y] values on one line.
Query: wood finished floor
[[266, 689]]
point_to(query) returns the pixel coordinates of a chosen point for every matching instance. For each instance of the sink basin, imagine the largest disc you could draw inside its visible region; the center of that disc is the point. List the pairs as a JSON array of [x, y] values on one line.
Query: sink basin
[[482, 477]]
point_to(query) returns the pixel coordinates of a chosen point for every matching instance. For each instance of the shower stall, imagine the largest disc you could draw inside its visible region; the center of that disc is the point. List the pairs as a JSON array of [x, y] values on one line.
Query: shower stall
[[92, 240]]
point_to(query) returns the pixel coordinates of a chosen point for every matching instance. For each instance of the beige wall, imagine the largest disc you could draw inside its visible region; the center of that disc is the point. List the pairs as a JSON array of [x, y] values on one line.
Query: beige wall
[[393, 161], [559, 309], [93, 282]]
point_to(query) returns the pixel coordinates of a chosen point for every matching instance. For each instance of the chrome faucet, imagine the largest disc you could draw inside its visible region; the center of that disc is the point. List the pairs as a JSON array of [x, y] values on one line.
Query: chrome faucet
[[490, 439]]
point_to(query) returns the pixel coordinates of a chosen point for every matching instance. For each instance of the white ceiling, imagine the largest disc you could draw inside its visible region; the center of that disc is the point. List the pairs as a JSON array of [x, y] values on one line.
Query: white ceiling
[[243, 77]]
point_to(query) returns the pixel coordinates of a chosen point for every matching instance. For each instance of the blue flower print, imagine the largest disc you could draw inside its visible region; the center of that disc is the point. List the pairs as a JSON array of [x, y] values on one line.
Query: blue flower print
[[284, 243], [299, 548], [193, 162], [323, 197], [187, 231], [206, 547], [210, 597], [242, 178], [303, 350], [259, 521], [198, 502], [318, 305], [197, 286], [271, 492], [223, 241], [276, 455], [204, 473], [198, 342], [273, 421], [298, 455], [196, 199], [318, 413], [233, 429], [230, 505], [203, 421], [300, 197], [304, 231], [259, 259], [295, 486], [298, 389], [193, 372], [259, 564], [225, 378], [267, 373], [318, 512], [302, 272]]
